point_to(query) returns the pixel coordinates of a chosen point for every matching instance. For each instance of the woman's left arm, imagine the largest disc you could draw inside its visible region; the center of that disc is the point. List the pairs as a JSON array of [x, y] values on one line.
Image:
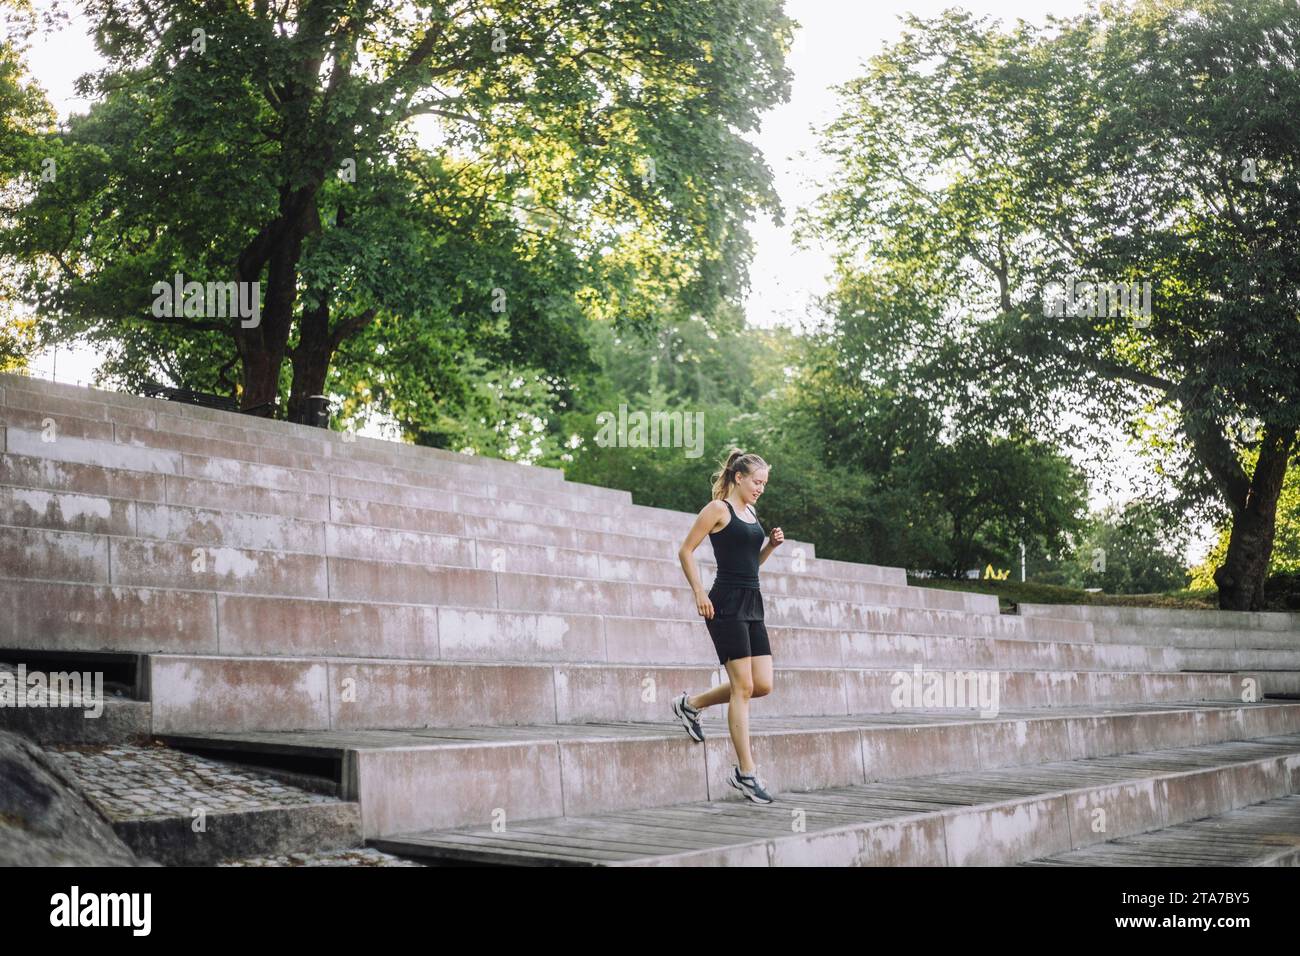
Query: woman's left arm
[[773, 542]]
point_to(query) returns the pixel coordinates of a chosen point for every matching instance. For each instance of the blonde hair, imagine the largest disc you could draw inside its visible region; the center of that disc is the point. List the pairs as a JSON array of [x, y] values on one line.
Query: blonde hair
[[737, 463]]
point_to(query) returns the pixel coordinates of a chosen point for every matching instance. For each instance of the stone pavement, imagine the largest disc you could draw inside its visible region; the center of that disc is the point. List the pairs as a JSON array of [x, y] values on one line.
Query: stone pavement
[[129, 782], [363, 856]]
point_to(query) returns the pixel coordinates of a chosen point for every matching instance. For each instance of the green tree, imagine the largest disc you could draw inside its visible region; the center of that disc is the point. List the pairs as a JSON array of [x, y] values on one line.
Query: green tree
[[589, 164], [26, 119], [856, 465], [1149, 142], [993, 493], [1285, 557], [1128, 550]]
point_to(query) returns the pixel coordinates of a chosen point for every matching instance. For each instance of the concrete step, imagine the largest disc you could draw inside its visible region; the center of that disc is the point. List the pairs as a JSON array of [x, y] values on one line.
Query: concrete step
[[351, 856], [193, 694], [847, 569], [28, 554], [1216, 659], [88, 617], [120, 721], [170, 839], [1280, 683], [60, 698], [1194, 638], [655, 566], [408, 780], [58, 496], [87, 441], [187, 810], [225, 461], [91, 404], [1112, 615], [38, 510], [508, 478], [101, 412], [1188, 639], [991, 818], [1263, 834]]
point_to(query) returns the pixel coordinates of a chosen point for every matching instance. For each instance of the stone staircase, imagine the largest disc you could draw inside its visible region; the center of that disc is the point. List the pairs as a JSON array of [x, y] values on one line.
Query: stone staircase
[[1197, 640], [481, 655]]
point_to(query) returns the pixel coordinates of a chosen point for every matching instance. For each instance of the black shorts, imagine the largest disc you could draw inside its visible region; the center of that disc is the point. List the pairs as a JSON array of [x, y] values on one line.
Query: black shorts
[[737, 626], [736, 639]]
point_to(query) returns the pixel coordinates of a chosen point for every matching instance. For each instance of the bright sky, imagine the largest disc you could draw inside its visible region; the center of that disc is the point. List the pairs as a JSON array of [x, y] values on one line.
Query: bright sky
[[834, 39]]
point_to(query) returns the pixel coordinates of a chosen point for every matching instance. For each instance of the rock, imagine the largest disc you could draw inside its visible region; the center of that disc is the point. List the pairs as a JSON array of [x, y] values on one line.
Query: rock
[[45, 820]]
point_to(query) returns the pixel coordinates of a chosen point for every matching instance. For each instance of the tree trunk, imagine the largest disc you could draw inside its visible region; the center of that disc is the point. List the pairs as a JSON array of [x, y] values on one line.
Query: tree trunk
[[260, 380], [1241, 577], [311, 362], [262, 348]]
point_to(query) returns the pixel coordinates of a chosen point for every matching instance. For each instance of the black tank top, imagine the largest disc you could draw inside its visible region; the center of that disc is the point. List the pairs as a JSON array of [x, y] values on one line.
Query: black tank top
[[736, 549]]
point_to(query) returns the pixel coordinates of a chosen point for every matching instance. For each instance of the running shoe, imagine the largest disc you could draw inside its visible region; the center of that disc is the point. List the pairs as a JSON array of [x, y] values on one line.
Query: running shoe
[[689, 716], [750, 784]]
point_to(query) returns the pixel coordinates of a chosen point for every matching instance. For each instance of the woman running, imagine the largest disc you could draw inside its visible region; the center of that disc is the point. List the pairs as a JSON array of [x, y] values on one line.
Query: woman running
[[733, 608]]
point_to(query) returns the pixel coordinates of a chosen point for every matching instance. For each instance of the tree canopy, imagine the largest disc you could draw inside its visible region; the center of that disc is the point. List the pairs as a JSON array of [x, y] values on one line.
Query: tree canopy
[[1143, 147], [577, 162]]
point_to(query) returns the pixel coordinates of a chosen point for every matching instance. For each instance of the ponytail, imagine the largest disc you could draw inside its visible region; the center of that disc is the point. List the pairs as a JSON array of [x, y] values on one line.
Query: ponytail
[[737, 463]]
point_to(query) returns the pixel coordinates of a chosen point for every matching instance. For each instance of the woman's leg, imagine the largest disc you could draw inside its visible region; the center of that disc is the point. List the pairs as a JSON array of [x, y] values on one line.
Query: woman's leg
[[761, 668], [721, 693], [742, 688], [718, 694], [728, 637], [761, 649]]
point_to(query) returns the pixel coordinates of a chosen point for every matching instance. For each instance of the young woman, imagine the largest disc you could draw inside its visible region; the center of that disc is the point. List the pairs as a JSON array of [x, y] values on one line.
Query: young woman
[[733, 608]]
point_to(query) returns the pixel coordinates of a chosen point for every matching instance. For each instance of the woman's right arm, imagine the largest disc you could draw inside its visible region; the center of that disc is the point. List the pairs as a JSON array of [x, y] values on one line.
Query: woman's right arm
[[704, 523]]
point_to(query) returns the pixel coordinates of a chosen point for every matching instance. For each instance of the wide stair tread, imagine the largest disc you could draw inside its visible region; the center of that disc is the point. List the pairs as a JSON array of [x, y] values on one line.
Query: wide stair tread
[[340, 740], [1263, 834], [645, 836]]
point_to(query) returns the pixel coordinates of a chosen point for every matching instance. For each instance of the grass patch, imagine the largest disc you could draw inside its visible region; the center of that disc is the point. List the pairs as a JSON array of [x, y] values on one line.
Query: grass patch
[[1010, 594]]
